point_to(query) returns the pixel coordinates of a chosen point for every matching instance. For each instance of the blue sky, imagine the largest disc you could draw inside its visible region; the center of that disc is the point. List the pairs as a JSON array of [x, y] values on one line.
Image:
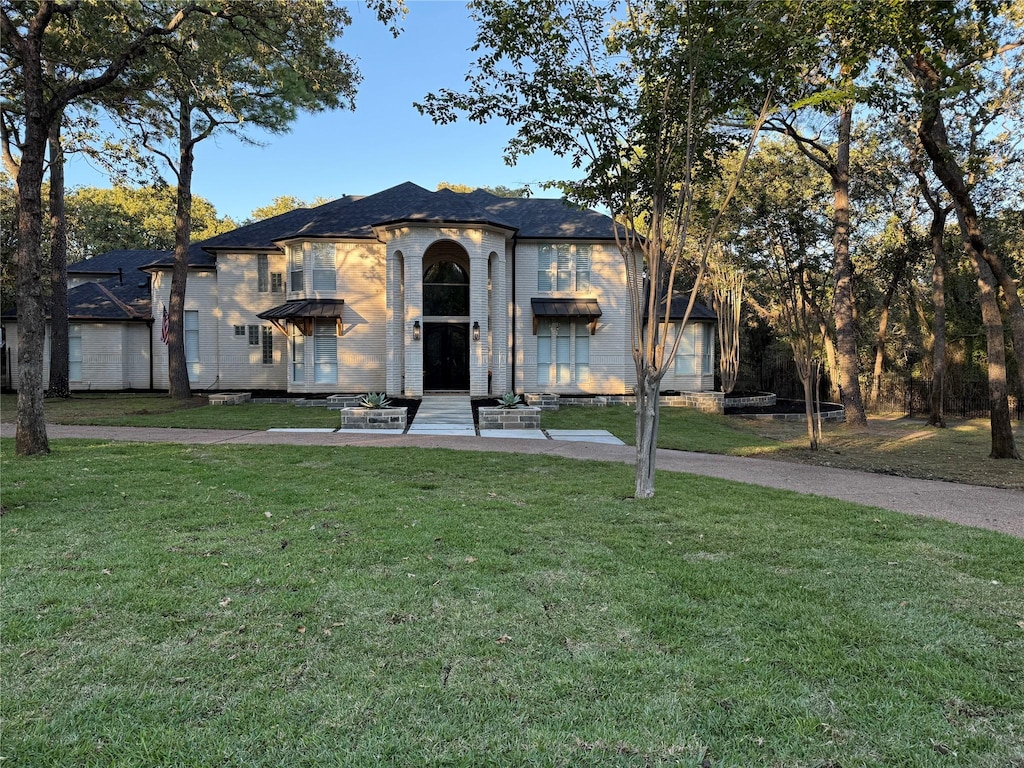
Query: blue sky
[[383, 143]]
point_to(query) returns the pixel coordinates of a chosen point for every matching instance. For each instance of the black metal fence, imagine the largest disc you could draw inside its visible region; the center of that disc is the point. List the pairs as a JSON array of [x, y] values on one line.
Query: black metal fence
[[965, 397]]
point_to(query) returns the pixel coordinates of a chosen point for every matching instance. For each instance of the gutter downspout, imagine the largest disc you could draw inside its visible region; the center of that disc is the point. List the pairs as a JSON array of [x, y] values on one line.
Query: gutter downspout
[[515, 242]]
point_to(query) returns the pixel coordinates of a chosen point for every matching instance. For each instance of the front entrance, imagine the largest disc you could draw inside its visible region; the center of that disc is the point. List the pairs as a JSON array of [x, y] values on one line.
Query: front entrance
[[445, 356]]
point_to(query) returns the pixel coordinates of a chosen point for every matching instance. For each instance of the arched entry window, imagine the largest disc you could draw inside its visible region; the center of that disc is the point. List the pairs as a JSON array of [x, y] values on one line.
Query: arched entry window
[[445, 290]]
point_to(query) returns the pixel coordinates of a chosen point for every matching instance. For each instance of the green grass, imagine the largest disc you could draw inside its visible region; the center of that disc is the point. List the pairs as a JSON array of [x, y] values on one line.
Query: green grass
[[288, 606], [895, 446], [159, 410], [680, 429]]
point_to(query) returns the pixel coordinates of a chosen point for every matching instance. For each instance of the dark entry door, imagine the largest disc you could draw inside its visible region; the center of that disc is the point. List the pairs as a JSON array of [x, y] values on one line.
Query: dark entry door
[[445, 356]]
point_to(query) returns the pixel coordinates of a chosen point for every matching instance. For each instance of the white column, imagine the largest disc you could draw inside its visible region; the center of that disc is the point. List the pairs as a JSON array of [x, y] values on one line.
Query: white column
[[478, 355], [395, 314], [413, 314]]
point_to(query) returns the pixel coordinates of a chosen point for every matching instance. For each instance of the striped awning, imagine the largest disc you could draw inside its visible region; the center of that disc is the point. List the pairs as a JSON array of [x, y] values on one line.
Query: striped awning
[[586, 309]]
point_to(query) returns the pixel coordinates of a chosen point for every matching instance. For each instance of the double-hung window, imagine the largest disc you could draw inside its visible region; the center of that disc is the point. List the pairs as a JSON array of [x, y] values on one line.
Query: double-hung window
[[298, 353], [268, 345], [191, 327], [325, 274], [696, 353], [563, 267], [262, 273], [296, 256], [325, 351], [254, 335], [74, 353], [563, 352]]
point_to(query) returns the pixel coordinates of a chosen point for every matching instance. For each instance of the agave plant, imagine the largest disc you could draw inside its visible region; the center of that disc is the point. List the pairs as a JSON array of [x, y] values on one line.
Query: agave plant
[[509, 400], [375, 400]]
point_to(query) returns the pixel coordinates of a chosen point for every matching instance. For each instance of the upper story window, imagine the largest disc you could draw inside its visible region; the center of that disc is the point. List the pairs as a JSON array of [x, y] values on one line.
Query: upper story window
[[262, 273], [445, 290], [325, 273], [296, 279], [563, 267]]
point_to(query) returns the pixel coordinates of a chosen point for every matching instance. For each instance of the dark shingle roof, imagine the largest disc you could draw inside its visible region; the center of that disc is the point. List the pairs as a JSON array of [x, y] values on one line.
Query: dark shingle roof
[[112, 299], [261, 235], [355, 217], [198, 258], [545, 217], [677, 310], [108, 263]]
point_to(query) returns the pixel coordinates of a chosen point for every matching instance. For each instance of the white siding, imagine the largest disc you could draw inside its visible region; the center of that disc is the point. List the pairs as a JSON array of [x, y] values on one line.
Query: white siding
[[611, 367], [115, 356], [201, 295], [241, 364], [703, 378]]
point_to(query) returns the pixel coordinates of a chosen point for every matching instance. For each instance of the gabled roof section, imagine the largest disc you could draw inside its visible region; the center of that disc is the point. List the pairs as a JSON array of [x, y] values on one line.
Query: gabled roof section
[[108, 263], [108, 300], [356, 217]]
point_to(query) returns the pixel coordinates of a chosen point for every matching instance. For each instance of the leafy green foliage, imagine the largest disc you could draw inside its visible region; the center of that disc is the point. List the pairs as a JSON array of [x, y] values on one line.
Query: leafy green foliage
[[375, 400], [509, 400], [101, 220]]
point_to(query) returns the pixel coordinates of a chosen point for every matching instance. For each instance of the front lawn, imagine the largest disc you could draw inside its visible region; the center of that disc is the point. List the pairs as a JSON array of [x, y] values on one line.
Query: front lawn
[[159, 410], [296, 606], [890, 445]]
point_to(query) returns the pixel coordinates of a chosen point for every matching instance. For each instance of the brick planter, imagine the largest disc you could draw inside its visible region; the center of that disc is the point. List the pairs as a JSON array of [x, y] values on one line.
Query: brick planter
[[522, 417], [374, 418], [230, 398]]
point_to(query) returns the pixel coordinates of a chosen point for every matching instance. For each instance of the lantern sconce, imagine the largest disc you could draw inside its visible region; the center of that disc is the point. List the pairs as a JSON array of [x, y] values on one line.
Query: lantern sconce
[[416, 330], [476, 331]]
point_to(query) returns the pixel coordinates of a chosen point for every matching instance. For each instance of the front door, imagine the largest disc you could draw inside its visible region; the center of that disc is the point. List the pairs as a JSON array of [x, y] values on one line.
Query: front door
[[445, 356]]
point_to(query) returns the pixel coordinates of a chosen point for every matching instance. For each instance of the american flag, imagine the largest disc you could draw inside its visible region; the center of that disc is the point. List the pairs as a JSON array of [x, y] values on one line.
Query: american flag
[[164, 327]]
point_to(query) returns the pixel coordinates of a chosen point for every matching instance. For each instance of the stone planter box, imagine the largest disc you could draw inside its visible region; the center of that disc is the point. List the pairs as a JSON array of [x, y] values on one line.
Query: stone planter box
[[230, 398], [522, 417], [546, 401], [374, 418]]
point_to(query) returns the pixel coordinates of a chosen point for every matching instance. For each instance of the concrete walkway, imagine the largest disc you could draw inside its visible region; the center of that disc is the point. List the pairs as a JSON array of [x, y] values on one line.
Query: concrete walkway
[[979, 506], [444, 415]]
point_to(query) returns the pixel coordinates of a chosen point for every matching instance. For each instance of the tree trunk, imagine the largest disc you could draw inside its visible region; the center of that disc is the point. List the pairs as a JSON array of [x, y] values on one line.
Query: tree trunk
[[936, 415], [30, 435], [59, 385], [883, 327], [177, 367], [1003, 446], [647, 413], [931, 131], [846, 330]]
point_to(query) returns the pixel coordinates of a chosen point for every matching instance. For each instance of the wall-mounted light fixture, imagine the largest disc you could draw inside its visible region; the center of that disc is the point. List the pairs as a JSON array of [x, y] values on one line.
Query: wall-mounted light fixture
[[416, 330], [476, 331]]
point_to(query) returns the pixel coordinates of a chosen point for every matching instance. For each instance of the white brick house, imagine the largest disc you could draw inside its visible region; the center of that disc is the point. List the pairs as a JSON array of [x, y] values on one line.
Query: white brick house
[[406, 291]]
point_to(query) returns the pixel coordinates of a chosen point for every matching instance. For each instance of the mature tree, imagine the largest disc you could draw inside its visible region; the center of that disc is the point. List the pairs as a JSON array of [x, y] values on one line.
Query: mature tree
[[123, 217], [252, 64], [34, 33], [635, 94], [282, 204], [829, 87], [964, 60], [499, 191], [727, 301]]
